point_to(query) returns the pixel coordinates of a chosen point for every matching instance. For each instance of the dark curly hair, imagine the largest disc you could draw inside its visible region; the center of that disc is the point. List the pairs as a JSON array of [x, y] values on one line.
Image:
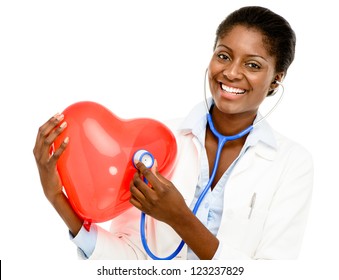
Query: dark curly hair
[[279, 37]]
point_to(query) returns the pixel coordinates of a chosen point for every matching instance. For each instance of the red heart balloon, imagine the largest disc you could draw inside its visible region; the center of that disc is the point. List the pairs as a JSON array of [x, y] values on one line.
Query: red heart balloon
[[96, 168]]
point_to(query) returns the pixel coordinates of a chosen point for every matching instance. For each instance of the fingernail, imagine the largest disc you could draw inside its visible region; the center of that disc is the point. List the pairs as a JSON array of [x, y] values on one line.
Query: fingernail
[[59, 117], [63, 125], [66, 140]]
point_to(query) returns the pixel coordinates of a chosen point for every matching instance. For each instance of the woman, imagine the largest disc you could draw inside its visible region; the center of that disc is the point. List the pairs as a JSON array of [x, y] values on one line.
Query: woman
[[257, 205]]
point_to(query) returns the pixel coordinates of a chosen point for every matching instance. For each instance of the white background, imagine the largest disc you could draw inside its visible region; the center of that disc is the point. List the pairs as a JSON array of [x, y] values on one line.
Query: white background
[[147, 59]]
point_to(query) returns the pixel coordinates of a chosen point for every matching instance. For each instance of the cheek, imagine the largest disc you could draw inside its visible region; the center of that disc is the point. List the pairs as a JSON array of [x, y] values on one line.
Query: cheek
[[261, 86], [260, 94], [214, 67], [211, 76]]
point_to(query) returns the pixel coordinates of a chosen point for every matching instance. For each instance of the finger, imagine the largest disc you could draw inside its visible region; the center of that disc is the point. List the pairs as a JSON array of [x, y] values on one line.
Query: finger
[[138, 199], [154, 168], [155, 171], [134, 187], [135, 203], [159, 176], [54, 134], [44, 132], [49, 126], [143, 189], [58, 152], [148, 174], [49, 149]]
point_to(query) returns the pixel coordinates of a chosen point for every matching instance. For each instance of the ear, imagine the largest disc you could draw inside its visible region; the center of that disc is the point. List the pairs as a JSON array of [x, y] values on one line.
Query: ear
[[277, 78], [274, 85]]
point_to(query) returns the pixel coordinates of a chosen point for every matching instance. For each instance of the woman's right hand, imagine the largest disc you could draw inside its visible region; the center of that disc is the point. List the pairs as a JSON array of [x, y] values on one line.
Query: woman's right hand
[[49, 176], [47, 161]]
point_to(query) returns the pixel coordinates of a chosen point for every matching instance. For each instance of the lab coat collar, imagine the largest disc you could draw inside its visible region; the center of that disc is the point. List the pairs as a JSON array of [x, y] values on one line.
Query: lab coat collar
[[261, 137]]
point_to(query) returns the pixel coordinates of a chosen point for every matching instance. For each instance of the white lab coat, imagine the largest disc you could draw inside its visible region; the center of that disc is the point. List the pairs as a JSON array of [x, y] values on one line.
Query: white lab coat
[[282, 179]]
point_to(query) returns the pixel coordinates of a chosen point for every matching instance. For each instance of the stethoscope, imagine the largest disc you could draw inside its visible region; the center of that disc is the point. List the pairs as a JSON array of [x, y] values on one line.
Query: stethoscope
[[148, 160]]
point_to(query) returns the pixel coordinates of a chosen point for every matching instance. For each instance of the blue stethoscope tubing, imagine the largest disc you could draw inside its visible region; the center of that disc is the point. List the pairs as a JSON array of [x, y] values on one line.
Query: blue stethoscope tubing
[[222, 140]]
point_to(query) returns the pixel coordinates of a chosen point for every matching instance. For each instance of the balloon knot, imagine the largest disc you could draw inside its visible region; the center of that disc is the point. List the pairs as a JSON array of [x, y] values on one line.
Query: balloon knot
[[87, 225]]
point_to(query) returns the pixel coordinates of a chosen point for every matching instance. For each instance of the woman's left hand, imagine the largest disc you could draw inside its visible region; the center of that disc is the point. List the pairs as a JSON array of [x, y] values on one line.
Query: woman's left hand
[[160, 199]]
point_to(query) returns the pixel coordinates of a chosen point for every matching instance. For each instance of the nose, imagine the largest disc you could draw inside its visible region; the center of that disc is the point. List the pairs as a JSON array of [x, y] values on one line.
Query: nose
[[233, 71]]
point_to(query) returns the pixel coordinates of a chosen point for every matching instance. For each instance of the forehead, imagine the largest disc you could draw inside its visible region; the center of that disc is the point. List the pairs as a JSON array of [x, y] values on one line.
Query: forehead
[[245, 39]]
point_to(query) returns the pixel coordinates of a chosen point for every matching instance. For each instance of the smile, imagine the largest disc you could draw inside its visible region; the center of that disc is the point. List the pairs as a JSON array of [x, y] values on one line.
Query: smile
[[232, 90]]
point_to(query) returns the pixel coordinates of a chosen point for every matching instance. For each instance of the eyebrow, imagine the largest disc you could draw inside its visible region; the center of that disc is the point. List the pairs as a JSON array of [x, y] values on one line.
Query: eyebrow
[[251, 55]]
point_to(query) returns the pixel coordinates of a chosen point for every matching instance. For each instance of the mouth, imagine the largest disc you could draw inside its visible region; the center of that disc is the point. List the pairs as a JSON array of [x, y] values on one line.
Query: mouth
[[232, 90]]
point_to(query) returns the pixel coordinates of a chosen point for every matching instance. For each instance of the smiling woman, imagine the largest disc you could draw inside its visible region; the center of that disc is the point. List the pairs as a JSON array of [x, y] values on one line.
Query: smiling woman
[[257, 204], [241, 73]]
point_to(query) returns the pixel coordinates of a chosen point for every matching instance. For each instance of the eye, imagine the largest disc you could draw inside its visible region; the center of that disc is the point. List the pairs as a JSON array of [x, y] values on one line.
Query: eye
[[253, 65], [223, 56]]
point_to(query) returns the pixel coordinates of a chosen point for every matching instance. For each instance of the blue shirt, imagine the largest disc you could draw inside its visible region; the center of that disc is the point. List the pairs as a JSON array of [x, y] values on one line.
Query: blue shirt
[[211, 208]]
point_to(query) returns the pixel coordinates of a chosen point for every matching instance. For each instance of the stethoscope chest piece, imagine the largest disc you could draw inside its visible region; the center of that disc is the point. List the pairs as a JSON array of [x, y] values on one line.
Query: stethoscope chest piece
[[143, 156]]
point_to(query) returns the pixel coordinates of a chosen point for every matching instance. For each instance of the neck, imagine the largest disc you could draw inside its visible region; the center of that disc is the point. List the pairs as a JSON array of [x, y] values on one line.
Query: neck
[[230, 124]]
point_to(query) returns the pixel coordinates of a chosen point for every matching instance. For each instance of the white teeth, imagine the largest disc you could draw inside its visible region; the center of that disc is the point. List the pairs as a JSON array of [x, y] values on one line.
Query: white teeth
[[232, 90]]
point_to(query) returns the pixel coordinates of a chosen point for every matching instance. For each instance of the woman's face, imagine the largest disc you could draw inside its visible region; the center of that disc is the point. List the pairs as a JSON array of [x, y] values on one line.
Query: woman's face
[[241, 72]]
